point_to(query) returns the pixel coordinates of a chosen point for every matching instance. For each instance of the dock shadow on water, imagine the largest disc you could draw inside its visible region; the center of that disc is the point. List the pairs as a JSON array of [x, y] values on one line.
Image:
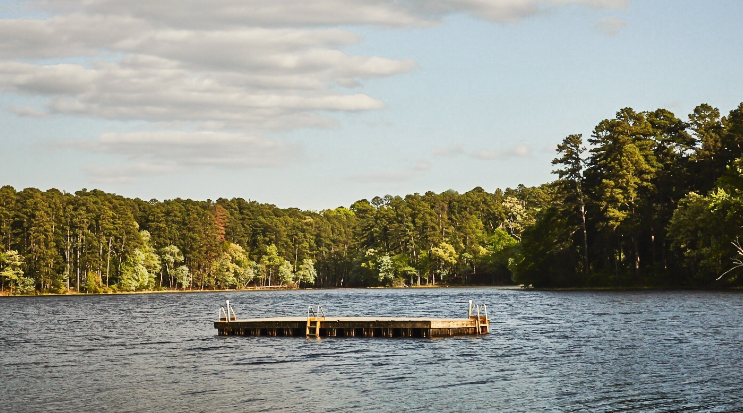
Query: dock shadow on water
[[554, 351]]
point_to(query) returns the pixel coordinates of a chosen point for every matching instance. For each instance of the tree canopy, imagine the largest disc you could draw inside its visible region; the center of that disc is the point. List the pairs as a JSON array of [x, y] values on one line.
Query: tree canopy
[[648, 200], [657, 202]]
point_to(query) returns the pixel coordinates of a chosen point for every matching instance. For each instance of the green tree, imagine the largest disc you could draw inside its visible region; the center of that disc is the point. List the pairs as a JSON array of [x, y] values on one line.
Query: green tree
[[183, 276], [570, 184], [12, 272], [134, 273], [446, 257], [518, 216], [547, 255], [171, 257], [271, 261], [621, 168], [93, 283], [233, 268], [704, 229], [306, 272], [8, 208], [707, 128], [141, 267], [385, 269], [498, 250], [737, 261], [286, 273]]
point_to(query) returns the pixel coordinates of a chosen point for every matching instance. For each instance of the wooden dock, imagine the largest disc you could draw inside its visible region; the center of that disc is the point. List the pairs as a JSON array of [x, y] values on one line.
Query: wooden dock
[[316, 324]]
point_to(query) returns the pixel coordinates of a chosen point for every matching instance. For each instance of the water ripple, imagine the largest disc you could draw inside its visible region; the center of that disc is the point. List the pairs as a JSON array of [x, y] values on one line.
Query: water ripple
[[548, 351]]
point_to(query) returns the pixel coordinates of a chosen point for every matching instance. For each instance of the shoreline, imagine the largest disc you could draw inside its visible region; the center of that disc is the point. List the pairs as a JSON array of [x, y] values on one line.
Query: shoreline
[[501, 287], [170, 291]]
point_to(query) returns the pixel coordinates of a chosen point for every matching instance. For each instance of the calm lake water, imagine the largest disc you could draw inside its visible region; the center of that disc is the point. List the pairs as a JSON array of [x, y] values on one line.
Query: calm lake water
[[548, 351]]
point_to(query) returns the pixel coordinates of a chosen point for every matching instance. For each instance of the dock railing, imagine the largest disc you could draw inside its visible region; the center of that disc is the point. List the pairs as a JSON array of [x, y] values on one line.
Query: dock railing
[[227, 312], [314, 318], [482, 322]]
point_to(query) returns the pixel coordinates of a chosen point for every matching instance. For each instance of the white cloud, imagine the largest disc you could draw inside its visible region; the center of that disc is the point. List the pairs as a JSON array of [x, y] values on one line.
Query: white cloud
[[258, 13], [519, 151], [549, 148], [126, 174], [509, 11], [175, 149], [422, 165], [249, 67], [451, 151], [406, 173], [28, 112], [252, 79], [610, 26], [297, 13], [257, 65], [384, 177]]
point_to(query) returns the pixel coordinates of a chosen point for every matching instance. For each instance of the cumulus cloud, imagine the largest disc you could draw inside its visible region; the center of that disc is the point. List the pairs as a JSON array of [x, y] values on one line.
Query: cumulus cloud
[[383, 177], [519, 151], [422, 165], [259, 65], [175, 149], [450, 151], [610, 26], [406, 173], [28, 112], [247, 67], [549, 148], [288, 13], [239, 79], [128, 174], [507, 11]]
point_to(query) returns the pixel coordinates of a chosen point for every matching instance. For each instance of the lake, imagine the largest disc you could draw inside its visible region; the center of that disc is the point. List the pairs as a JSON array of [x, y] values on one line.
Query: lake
[[597, 351]]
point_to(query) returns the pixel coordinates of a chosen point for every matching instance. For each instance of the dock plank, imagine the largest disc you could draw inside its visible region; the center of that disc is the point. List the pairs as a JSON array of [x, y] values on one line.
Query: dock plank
[[356, 327]]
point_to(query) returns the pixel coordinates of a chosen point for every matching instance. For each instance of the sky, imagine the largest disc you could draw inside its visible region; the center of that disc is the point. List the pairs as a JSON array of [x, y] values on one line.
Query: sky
[[318, 104]]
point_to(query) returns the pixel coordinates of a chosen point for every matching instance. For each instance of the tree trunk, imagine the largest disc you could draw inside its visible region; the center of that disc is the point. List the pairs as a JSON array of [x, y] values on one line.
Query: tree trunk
[[636, 242], [78, 263], [652, 244], [68, 258], [108, 259], [100, 260], [585, 237], [617, 257]]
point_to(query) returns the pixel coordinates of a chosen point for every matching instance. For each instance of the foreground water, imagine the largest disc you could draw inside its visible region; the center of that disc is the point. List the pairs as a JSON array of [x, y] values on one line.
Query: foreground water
[[548, 351]]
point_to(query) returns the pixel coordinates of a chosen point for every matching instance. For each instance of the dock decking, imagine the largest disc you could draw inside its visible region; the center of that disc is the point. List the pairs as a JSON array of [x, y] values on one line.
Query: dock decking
[[317, 325]]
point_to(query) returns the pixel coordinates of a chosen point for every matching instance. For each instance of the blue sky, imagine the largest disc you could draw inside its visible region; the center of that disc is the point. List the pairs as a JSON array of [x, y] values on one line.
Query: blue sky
[[316, 108]]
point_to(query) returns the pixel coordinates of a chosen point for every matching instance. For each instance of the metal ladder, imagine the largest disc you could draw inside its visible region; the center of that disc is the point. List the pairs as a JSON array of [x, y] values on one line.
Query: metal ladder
[[229, 314], [482, 323], [313, 321]]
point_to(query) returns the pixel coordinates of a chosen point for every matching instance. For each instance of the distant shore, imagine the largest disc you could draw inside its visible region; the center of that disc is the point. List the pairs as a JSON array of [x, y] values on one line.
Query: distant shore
[[272, 288], [285, 288]]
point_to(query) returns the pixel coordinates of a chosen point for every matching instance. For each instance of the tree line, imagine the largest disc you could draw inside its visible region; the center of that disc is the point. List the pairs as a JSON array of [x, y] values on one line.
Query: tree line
[[650, 200], [92, 241]]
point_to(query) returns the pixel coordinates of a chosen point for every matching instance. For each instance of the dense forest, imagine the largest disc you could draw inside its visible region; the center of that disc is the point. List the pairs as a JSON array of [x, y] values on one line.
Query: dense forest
[[652, 200], [649, 200], [93, 241]]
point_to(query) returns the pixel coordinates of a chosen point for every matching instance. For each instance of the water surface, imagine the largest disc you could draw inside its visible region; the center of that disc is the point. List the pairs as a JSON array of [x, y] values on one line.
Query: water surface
[[547, 351]]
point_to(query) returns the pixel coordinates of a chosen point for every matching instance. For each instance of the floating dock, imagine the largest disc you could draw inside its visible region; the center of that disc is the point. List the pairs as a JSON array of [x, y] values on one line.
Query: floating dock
[[316, 324]]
